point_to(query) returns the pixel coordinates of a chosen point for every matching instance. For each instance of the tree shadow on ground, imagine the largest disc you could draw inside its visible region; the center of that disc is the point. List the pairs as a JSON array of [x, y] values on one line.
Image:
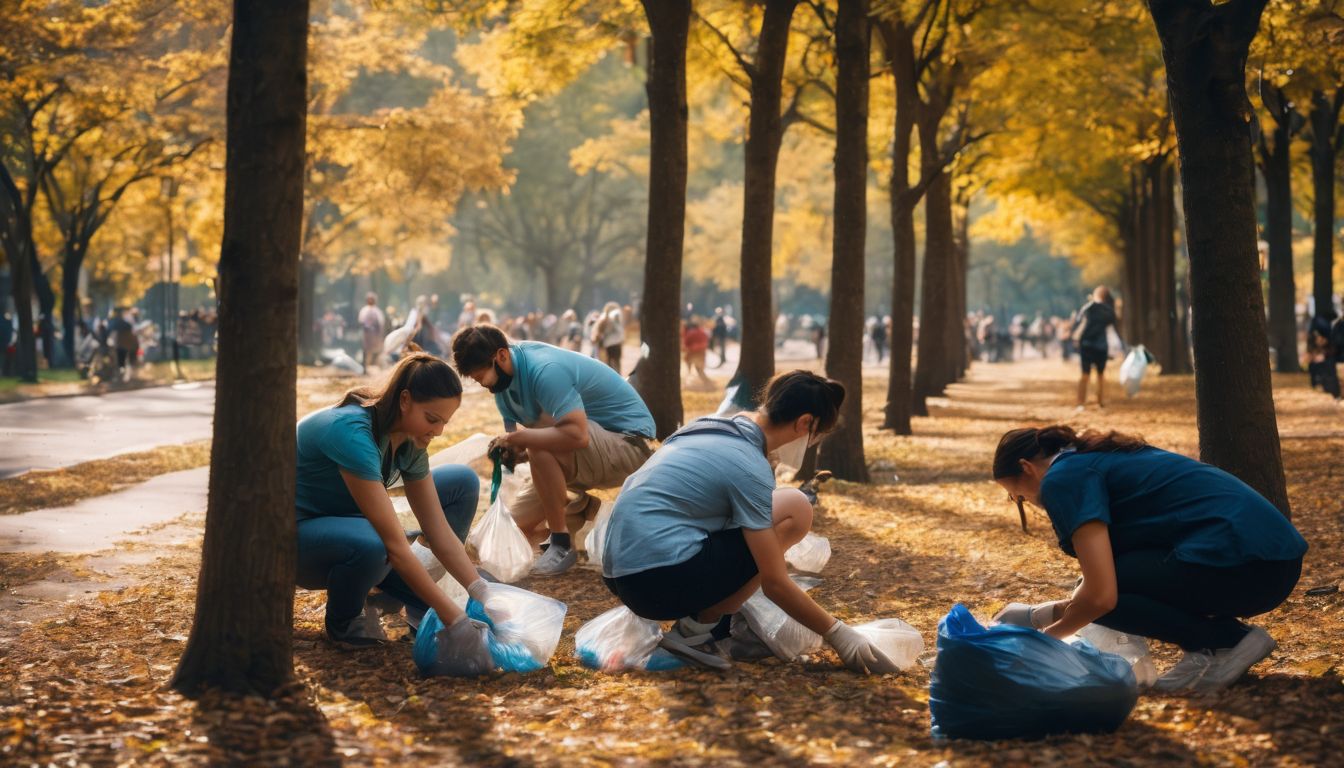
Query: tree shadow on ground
[[288, 729]]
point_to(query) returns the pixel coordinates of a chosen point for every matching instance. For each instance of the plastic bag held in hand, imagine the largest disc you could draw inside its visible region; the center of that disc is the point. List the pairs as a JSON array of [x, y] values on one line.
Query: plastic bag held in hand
[[811, 554], [898, 641], [857, 652], [618, 640], [524, 626], [500, 546], [1133, 368], [779, 631], [1009, 682], [462, 650]]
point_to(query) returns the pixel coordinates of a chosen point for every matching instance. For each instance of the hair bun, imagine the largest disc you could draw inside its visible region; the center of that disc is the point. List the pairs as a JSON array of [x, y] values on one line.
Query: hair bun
[[1054, 438]]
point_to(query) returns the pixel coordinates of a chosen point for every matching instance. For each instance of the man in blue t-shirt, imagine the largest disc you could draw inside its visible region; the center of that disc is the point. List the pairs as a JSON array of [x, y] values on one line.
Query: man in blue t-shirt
[[576, 421]]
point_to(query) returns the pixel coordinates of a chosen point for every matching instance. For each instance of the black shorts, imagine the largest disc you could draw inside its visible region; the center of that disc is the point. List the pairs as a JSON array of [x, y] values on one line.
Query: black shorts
[[1092, 356], [722, 566]]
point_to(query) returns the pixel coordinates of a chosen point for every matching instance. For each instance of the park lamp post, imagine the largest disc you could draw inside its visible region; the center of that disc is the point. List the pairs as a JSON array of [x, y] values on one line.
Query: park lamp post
[[168, 189]]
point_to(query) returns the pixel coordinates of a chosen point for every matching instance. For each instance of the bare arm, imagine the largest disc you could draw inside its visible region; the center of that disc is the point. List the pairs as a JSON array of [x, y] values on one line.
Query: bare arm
[[777, 585], [568, 434], [1097, 596], [372, 499], [442, 541]]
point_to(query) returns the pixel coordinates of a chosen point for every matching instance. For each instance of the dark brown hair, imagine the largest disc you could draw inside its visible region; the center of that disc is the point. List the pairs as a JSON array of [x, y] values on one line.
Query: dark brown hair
[[1036, 442], [425, 376], [475, 346], [791, 395]]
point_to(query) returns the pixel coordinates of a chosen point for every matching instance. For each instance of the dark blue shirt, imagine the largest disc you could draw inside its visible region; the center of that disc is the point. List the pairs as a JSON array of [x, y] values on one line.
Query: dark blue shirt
[[1153, 499]]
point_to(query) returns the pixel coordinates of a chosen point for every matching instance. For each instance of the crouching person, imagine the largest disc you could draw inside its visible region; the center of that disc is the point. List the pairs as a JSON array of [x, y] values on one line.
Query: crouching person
[[349, 539], [1169, 548], [701, 527], [579, 424]]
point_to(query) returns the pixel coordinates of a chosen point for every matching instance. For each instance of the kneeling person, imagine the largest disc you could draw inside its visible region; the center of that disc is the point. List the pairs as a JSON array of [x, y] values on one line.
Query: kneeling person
[[701, 526], [579, 424]]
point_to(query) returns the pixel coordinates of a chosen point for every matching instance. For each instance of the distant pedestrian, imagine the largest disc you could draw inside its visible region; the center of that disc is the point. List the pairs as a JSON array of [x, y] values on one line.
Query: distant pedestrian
[[819, 337], [718, 336], [372, 326], [609, 335], [1325, 345], [1089, 332], [694, 342], [879, 337]]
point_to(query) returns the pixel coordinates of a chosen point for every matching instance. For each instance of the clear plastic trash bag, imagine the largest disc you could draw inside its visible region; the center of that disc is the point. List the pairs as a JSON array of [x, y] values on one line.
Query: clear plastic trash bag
[[500, 546], [1131, 648], [440, 651], [524, 626], [809, 555], [1009, 682], [1132, 369], [597, 538], [900, 642], [619, 640], [778, 630]]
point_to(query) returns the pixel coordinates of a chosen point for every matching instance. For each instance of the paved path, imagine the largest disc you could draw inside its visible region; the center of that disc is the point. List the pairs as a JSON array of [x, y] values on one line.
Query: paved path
[[51, 433]]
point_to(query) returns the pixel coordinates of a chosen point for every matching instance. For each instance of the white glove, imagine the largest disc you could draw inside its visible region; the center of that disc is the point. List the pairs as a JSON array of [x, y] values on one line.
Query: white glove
[[857, 653], [479, 590], [463, 649]]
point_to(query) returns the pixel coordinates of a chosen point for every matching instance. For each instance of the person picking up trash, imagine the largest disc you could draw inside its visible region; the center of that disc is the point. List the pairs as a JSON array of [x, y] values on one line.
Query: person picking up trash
[[701, 526], [349, 538], [576, 421], [1170, 548]]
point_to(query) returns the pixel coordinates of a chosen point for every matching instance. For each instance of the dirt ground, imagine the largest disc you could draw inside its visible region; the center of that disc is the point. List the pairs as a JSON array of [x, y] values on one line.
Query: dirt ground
[[87, 684]]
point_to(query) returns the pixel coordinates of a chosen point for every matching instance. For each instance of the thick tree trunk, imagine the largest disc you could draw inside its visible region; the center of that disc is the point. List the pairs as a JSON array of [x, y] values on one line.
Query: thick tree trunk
[[1327, 136], [842, 453], [241, 639], [900, 52], [308, 329], [1176, 350], [935, 301], [764, 132], [956, 318], [1276, 167], [17, 239], [1204, 47], [71, 263], [659, 382]]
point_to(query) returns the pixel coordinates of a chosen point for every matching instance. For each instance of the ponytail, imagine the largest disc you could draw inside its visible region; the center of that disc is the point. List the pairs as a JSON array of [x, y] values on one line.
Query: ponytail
[[1033, 443]]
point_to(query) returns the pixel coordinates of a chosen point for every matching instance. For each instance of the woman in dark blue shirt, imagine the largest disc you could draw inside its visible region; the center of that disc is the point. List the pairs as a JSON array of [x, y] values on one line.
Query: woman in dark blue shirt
[[1170, 548]]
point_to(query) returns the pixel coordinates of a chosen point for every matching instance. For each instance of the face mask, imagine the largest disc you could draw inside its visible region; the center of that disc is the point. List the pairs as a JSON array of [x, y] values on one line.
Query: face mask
[[502, 380]]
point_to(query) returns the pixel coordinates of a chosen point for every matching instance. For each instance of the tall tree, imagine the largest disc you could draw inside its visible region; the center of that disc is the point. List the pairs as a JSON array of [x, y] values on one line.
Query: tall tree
[[1204, 46], [1327, 144], [659, 382], [843, 453], [241, 638], [1273, 146]]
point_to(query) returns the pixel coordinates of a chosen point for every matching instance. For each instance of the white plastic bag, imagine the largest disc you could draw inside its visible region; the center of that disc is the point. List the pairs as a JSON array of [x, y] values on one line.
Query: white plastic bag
[[500, 545], [1131, 648], [901, 642], [525, 626], [811, 554], [394, 341], [779, 631], [618, 639], [597, 538], [1132, 369]]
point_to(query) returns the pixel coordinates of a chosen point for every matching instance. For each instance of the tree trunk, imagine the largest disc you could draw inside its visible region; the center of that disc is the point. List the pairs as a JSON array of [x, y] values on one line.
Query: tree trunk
[[931, 364], [956, 318], [900, 52], [71, 263], [241, 638], [17, 239], [1327, 136], [764, 132], [1204, 47], [842, 452], [659, 382], [1176, 348], [309, 345], [46, 308], [1276, 167]]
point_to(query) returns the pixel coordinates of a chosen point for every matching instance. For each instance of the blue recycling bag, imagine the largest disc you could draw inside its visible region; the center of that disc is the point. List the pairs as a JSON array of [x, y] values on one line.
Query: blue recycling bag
[[1009, 682]]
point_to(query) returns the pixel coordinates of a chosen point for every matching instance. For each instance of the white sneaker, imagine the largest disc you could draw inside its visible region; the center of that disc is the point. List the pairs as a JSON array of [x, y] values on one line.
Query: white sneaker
[[1186, 672], [555, 561], [1229, 664]]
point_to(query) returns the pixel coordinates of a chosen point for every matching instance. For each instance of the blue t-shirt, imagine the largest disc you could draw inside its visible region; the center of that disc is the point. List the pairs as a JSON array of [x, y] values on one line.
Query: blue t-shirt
[[693, 485], [553, 382], [342, 438], [1153, 499]]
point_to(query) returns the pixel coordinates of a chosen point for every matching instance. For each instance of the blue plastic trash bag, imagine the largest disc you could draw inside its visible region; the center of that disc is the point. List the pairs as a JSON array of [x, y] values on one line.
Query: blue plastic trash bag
[[524, 626], [457, 652], [619, 640], [1009, 682]]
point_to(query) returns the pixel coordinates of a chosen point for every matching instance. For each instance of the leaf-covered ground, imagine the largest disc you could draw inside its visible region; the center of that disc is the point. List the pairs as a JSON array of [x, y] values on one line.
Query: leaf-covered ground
[[84, 681]]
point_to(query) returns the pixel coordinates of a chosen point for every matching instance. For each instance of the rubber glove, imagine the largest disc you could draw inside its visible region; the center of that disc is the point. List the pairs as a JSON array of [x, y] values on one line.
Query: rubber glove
[[463, 649], [479, 590], [857, 653]]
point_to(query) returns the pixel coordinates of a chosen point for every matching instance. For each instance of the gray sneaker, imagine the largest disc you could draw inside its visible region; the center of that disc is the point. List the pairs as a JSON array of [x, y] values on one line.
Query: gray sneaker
[[1185, 673], [363, 631], [555, 561], [1229, 664]]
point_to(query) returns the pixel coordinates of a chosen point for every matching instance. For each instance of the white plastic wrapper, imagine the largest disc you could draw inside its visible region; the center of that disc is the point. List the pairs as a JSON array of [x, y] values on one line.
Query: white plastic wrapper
[[1132, 369], [780, 632], [1131, 648], [811, 554], [500, 546], [519, 618], [900, 642]]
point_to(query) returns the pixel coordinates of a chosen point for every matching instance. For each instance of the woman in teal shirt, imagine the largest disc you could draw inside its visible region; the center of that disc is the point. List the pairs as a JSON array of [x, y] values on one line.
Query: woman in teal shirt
[[349, 538], [1170, 548]]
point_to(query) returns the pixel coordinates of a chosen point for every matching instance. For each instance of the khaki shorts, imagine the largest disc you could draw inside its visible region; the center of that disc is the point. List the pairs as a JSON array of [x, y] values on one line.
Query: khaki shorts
[[608, 460]]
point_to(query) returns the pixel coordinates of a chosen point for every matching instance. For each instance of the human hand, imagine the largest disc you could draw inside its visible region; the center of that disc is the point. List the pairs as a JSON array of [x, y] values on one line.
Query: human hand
[[856, 652], [502, 451], [463, 649]]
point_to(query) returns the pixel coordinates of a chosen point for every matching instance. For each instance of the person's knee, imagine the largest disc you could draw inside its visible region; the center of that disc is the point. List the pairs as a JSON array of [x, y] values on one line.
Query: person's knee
[[455, 482], [792, 514]]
